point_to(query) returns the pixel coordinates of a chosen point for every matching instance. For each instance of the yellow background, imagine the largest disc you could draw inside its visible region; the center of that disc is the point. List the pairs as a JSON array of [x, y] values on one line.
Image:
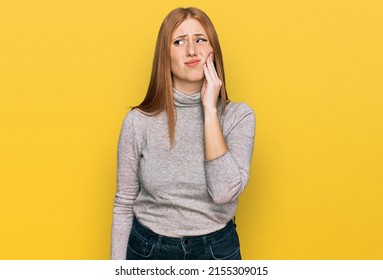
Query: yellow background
[[312, 71]]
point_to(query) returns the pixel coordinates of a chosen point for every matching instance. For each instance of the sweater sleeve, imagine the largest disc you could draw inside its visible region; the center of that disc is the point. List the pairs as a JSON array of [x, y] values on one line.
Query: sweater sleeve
[[228, 174], [127, 188]]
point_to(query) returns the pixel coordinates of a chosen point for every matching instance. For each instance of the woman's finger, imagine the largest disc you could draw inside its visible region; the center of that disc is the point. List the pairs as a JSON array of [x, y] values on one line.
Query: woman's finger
[[207, 73], [213, 66]]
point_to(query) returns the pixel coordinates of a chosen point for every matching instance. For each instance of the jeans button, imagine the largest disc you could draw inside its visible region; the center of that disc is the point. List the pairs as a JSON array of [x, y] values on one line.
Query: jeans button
[[186, 242]]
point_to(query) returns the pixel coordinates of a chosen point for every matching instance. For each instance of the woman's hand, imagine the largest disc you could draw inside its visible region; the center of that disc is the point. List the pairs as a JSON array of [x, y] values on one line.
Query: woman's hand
[[215, 144], [211, 85]]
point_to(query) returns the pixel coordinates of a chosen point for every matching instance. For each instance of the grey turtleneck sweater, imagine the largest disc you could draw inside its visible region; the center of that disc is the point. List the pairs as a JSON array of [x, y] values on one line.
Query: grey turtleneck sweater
[[176, 192]]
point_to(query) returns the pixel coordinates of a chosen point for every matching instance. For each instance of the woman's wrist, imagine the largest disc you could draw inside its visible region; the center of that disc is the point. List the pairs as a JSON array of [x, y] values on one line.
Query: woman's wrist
[[210, 110]]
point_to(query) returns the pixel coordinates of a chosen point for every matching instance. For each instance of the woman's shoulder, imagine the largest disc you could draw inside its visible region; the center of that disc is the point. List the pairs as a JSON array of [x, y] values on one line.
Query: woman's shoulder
[[137, 115], [133, 118], [237, 113], [140, 119], [238, 109]]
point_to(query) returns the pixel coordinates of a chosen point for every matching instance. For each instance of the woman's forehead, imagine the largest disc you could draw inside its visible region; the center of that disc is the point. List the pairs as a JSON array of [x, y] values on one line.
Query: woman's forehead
[[188, 27]]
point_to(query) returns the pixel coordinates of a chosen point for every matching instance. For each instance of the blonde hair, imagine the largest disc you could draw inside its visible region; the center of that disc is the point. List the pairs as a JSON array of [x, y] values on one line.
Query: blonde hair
[[159, 96]]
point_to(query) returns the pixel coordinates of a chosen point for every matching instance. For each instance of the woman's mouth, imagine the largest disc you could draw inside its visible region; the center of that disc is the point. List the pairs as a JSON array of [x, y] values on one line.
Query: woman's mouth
[[192, 63]]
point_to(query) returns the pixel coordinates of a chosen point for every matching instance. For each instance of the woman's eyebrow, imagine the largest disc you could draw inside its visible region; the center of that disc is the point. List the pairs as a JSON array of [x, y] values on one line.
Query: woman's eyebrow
[[199, 34], [180, 36], [185, 35]]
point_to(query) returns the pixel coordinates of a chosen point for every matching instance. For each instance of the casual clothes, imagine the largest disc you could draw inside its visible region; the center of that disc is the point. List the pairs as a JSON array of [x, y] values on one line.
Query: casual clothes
[[144, 244], [175, 192]]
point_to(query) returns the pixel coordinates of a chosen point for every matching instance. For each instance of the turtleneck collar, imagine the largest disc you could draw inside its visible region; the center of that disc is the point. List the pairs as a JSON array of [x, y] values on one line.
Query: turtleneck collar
[[184, 100]]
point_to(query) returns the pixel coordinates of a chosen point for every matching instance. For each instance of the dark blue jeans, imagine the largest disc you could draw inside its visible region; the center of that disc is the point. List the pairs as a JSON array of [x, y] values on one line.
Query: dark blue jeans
[[144, 244]]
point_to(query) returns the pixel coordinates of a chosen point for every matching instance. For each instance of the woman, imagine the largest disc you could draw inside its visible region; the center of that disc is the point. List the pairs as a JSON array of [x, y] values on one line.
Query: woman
[[184, 153]]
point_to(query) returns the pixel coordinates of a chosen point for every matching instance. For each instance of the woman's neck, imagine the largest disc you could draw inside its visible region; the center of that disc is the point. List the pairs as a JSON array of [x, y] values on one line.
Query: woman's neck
[[188, 88]]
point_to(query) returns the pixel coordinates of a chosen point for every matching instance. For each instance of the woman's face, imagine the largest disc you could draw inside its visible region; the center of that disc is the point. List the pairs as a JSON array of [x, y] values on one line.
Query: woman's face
[[190, 47]]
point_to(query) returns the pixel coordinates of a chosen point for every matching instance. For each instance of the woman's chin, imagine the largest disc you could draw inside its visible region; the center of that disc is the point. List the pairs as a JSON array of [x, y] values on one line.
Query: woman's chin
[[196, 77]]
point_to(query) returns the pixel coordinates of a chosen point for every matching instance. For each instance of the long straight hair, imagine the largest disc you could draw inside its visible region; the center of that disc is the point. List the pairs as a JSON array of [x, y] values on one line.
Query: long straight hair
[[159, 96]]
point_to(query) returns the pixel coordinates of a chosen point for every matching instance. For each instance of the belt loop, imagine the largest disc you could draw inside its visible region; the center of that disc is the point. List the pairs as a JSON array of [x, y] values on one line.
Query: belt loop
[[159, 241], [204, 240], [206, 246]]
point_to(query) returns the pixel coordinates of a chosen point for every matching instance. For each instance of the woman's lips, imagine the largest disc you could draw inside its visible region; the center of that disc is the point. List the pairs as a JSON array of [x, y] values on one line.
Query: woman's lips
[[192, 63]]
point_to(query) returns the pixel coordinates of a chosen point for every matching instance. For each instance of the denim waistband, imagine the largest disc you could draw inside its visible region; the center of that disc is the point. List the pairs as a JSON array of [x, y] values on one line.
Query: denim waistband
[[151, 235]]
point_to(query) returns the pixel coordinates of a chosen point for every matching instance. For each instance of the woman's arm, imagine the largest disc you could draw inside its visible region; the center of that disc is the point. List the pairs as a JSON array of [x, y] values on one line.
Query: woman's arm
[[127, 188], [215, 144], [227, 159], [227, 175]]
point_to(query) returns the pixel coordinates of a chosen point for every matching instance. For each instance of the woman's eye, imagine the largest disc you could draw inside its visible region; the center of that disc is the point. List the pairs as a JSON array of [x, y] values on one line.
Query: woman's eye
[[201, 40], [179, 42]]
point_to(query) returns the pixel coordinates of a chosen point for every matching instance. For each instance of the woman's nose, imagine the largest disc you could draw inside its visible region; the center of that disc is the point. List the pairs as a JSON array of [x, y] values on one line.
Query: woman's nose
[[191, 49]]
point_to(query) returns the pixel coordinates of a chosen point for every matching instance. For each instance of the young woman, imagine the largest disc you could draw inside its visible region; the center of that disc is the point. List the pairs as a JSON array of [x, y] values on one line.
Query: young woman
[[184, 153]]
